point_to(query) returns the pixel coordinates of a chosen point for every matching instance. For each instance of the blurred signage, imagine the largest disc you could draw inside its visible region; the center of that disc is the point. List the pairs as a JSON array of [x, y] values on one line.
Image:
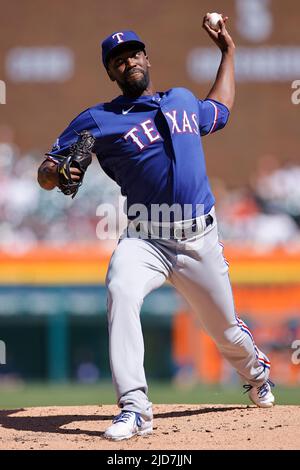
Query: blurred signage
[[260, 64], [254, 20], [40, 64], [75, 300]]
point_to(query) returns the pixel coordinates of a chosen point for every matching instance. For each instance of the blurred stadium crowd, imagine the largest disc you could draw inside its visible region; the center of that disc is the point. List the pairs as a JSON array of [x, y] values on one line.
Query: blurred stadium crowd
[[29, 214], [265, 213]]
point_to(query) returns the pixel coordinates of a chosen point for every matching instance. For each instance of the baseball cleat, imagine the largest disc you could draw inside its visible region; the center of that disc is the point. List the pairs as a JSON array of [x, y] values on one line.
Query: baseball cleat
[[128, 424], [261, 396]]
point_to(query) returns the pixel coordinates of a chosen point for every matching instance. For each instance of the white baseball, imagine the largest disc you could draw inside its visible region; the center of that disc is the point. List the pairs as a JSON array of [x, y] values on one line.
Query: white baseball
[[213, 21]]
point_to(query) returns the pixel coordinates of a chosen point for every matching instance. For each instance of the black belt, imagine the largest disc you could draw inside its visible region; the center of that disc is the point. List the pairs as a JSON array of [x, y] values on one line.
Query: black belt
[[192, 230], [185, 232]]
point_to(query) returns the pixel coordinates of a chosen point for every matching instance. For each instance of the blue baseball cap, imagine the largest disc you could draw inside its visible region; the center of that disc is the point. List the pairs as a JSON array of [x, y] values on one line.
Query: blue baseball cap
[[117, 39]]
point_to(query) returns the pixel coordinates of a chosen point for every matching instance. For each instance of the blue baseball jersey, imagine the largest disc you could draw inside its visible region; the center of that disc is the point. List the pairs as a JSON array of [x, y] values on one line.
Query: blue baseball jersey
[[151, 146]]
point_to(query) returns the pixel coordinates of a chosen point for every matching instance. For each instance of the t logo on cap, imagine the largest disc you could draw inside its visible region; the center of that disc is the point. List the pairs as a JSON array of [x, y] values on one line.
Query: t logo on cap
[[119, 37]]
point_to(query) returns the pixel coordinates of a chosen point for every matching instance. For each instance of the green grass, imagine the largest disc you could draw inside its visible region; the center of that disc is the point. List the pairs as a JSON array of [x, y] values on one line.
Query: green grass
[[37, 394]]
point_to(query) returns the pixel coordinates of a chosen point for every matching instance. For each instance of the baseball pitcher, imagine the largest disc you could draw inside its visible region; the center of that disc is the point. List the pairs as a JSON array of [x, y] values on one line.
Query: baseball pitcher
[[150, 143]]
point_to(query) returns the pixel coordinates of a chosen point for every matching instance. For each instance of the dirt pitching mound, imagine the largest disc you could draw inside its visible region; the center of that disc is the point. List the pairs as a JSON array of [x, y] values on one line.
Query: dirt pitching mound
[[175, 427]]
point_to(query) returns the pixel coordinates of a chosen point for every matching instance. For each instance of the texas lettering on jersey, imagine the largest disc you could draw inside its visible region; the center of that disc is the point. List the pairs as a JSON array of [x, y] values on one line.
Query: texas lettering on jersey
[[151, 146], [183, 124], [148, 129]]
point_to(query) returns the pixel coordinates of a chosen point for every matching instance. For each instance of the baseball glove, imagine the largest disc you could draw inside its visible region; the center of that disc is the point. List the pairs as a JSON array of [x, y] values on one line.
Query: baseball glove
[[80, 157]]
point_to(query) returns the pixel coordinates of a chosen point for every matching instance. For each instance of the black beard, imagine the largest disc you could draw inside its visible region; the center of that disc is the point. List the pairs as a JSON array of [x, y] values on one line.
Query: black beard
[[136, 88]]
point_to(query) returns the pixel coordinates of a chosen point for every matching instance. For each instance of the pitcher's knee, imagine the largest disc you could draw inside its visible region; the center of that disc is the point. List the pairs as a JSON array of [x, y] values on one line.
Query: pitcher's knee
[[123, 292]]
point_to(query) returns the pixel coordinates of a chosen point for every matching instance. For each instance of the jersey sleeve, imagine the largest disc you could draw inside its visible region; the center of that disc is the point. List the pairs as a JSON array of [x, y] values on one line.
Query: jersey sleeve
[[69, 136], [213, 116]]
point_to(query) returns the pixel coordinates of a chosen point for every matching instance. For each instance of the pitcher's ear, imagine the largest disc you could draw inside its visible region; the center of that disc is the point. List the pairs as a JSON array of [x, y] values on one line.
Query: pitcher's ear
[[147, 58]]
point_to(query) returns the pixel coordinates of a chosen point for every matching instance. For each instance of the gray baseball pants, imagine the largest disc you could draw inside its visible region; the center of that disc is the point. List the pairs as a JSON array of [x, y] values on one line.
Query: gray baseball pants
[[197, 269]]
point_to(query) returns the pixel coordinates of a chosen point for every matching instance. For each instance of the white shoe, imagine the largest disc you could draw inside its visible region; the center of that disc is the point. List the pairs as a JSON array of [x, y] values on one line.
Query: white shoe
[[261, 396], [128, 424]]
